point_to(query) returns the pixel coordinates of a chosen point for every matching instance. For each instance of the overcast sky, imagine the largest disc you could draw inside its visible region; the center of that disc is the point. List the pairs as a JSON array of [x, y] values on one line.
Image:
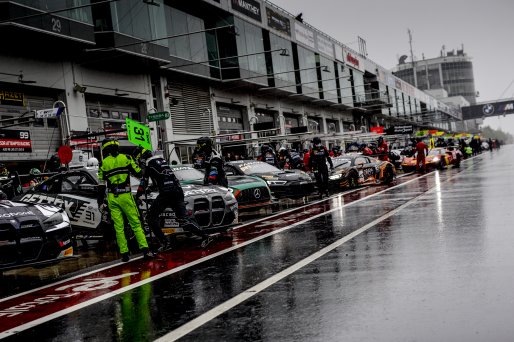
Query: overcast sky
[[485, 27]]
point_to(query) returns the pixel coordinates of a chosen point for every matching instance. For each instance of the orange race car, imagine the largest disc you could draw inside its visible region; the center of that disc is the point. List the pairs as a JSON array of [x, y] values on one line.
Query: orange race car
[[437, 158]]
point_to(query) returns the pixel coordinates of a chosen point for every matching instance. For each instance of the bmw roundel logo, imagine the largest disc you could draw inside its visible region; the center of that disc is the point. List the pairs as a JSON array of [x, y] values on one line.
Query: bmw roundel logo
[[257, 193], [488, 109]]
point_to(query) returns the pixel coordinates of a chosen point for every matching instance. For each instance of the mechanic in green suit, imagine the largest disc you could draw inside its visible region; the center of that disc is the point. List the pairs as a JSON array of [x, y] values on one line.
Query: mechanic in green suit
[[115, 171]]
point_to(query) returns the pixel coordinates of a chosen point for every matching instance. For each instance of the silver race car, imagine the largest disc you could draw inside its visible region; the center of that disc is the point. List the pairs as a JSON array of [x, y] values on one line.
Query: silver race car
[[76, 191]]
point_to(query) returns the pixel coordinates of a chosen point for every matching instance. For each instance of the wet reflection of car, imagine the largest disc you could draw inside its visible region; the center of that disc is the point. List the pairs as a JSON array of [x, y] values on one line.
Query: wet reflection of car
[[353, 170], [76, 191], [250, 192], [33, 234], [289, 183]]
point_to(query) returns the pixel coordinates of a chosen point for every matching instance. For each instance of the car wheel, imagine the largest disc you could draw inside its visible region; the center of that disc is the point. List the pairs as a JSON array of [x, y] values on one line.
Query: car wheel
[[388, 175], [353, 180], [440, 166]]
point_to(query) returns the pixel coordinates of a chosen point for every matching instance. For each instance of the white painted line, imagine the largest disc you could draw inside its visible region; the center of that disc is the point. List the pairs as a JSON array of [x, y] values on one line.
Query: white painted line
[[233, 302]]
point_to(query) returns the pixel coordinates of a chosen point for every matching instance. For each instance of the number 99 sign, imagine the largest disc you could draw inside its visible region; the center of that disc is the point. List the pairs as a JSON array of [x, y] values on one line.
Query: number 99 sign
[[139, 134]]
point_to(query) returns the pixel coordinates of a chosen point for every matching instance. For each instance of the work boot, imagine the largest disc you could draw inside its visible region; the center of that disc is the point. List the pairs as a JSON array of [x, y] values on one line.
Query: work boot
[[148, 254], [125, 257], [206, 241]]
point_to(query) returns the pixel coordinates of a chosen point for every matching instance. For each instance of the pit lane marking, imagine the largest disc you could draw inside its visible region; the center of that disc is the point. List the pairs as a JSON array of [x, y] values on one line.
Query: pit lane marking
[[72, 308], [132, 259], [254, 290]]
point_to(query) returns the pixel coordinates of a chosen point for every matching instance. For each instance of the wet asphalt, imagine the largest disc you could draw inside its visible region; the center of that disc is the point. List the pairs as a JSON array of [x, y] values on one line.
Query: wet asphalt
[[439, 269]]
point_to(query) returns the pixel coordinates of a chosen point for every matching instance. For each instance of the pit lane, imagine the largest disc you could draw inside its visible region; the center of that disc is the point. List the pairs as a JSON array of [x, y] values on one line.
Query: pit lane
[[97, 254]]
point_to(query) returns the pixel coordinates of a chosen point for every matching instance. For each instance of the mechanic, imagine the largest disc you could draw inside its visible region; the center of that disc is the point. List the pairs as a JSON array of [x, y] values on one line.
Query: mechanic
[[170, 195], [116, 169], [382, 149], [422, 151], [319, 157], [10, 182], [336, 151], [268, 155], [35, 177], [212, 162]]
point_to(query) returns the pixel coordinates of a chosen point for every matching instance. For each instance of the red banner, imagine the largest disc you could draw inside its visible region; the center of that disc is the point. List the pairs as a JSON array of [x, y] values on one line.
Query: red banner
[[377, 129]]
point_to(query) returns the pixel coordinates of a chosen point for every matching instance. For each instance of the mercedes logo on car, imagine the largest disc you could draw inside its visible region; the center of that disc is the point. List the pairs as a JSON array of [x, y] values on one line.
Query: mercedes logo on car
[[488, 109], [257, 193]]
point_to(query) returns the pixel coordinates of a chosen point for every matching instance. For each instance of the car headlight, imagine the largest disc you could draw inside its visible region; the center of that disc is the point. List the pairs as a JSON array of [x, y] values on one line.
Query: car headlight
[[436, 159], [229, 196], [56, 221], [338, 176], [276, 182]]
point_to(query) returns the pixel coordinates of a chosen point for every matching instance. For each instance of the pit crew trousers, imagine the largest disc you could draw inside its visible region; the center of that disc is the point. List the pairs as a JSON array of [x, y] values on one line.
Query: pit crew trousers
[[176, 203], [125, 204]]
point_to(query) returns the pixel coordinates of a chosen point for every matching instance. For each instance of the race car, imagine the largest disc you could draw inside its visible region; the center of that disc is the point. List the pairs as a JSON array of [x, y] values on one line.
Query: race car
[[289, 183], [437, 158], [76, 191], [250, 192], [356, 169], [33, 234]]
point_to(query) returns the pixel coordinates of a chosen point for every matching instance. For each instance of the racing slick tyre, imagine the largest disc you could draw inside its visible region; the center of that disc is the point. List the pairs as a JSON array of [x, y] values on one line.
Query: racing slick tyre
[[388, 175], [353, 180]]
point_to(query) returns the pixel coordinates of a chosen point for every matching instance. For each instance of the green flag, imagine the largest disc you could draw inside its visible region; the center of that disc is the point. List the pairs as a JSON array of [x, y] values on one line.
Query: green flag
[[139, 134]]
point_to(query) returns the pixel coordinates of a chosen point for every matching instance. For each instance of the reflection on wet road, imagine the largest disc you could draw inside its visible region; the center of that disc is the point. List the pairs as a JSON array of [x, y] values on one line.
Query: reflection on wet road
[[434, 263]]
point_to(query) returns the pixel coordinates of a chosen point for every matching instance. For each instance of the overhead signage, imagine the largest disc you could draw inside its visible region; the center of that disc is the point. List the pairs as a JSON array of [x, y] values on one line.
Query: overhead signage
[[402, 129], [49, 113], [304, 35], [159, 116], [278, 22], [12, 98], [488, 109], [139, 134], [351, 59], [250, 8], [15, 141], [325, 46]]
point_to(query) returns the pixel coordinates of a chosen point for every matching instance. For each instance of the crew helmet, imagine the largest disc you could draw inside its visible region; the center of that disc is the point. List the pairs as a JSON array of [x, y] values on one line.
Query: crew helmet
[[35, 172], [141, 153], [316, 140], [3, 170], [204, 144], [110, 145]]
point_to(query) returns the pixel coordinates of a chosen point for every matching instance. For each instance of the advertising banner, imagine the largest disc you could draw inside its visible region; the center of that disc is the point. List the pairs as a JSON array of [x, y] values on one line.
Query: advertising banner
[[12, 98], [377, 129], [278, 22], [250, 8], [403, 129], [15, 141], [325, 46], [304, 35], [351, 59]]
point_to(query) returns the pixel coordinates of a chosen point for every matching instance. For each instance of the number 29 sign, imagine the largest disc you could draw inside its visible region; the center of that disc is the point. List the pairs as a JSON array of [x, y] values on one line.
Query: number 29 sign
[[139, 134]]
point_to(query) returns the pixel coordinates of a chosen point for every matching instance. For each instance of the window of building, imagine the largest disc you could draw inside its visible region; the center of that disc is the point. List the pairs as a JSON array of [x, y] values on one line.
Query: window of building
[[137, 19], [309, 77], [115, 115], [282, 64], [79, 14], [105, 114], [192, 47], [329, 82], [250, 41]]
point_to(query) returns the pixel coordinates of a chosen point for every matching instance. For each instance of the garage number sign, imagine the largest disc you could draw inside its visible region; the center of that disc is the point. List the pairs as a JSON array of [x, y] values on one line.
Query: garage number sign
[[139, 134]]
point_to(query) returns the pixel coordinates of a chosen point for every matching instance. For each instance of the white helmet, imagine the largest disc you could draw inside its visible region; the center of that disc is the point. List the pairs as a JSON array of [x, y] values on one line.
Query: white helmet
[[92, 162]]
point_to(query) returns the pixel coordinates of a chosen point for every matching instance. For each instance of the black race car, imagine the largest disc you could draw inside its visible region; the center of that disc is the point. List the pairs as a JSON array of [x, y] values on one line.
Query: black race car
[[32, 234], [289, 183], [355, 169], [76, 191]]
